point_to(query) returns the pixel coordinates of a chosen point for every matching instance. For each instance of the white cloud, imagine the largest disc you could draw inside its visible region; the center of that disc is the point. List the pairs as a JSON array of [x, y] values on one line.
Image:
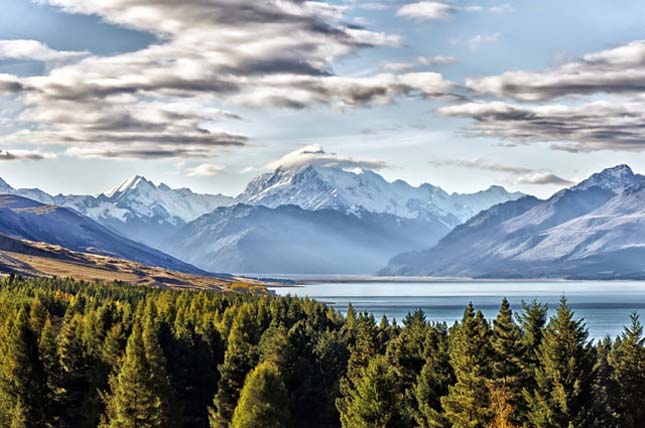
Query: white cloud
[[247, 170], [475, 42], [426, 10], [221, 52], [205, 170], [619, 70], [543, 178], [434, 10], [34, 50], [315, 155], [436, 60]]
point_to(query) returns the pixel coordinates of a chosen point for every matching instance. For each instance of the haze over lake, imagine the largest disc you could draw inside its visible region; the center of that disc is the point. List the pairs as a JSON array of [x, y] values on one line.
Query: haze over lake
[[604, 305]]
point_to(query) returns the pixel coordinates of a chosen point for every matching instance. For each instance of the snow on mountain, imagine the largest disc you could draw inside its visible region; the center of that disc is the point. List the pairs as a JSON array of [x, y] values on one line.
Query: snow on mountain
[[313, 180], [176, 206], [594, 230], [136, 208], [615, 179]]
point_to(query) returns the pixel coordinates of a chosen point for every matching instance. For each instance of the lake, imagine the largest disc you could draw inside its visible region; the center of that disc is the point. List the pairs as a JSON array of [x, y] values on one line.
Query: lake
[[604, 305]]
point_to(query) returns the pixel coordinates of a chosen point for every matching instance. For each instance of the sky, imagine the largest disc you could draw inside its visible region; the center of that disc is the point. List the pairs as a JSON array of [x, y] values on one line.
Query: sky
[[206, 94]]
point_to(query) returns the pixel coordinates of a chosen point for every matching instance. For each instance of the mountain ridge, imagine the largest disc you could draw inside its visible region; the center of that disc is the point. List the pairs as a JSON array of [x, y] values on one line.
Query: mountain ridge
[[593, 229]]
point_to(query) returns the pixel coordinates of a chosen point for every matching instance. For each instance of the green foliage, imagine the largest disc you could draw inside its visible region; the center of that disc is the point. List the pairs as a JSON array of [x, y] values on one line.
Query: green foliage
[[263, 402], [78, 354], [627, 361], [564, 379], [373, 401], [467, 404]]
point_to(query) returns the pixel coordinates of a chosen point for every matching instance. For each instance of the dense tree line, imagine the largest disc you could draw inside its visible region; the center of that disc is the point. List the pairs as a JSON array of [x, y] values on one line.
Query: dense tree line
[[78, 354]]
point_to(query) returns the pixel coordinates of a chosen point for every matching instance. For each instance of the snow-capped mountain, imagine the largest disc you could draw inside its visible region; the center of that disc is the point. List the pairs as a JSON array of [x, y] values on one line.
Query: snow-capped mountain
[[136, 208], [595, 229], [316, 186]]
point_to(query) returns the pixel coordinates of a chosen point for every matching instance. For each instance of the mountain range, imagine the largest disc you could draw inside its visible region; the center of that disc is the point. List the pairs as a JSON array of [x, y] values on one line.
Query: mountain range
[[595, 229], [311, 218], [26, 219]]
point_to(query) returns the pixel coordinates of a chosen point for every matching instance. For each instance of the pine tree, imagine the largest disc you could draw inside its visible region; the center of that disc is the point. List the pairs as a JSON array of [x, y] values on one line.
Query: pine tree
[[372, 401], [433, 381], [23, 383], [532, 322], [240, 358], [564, 379], [627, 360], [467, 404], [136, 400], [507, 364], [263, 401]]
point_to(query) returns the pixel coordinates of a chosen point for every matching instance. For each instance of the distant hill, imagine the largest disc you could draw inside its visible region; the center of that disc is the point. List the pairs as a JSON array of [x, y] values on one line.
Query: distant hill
[[23, 218], [595, 229], [289, 239], [28, 258]]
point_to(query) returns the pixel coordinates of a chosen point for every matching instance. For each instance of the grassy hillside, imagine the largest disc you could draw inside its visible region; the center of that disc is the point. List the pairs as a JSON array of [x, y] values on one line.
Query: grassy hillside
[[30, 258]]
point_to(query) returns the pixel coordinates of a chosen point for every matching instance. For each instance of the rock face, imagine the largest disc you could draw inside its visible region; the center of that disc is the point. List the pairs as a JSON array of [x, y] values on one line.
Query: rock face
[[23, 218], [289, 239], [595, 229]]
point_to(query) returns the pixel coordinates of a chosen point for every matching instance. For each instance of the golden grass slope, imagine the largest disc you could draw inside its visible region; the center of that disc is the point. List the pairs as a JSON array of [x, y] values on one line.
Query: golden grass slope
[[30, 258]]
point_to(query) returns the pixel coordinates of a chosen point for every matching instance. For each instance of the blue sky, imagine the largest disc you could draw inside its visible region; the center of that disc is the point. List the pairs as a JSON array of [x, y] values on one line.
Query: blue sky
[[207, 98]]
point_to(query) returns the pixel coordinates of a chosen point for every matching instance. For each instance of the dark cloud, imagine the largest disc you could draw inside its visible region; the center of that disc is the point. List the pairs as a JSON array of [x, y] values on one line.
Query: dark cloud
[[601, 125], [16, 155]]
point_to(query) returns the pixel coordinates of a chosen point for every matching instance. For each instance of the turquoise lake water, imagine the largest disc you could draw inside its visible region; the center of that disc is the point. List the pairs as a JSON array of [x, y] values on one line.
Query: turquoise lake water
[[604, 306]]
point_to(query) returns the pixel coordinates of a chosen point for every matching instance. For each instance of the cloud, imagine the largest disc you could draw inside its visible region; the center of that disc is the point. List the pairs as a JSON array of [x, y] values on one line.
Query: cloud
[[9, 84], [315, 155], [247, 170], [592, 126], [433, 10], [274, 53], [17, 155], [620, 70], [420, 61], [205, 170], [543, 178], [436, 60], [519, 174], [475, 42], [426, 10], [34, 50]]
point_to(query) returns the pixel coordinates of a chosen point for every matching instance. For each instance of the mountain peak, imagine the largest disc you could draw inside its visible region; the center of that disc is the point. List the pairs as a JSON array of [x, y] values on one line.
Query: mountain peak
[[5, 187], [616, 179], [129, 184]]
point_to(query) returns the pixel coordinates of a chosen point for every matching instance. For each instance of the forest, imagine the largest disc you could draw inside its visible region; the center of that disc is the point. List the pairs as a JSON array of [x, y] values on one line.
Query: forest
[[79, 354]]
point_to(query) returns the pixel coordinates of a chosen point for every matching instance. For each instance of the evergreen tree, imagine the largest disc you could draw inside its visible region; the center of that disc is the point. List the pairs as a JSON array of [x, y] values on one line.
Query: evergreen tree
[[564, 379], [467, 404], [372, 401], [136, 400], [263, 401], [532, 321], [23, 382], [433, 381], [627, 360], [507, 364], [240, 358]]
